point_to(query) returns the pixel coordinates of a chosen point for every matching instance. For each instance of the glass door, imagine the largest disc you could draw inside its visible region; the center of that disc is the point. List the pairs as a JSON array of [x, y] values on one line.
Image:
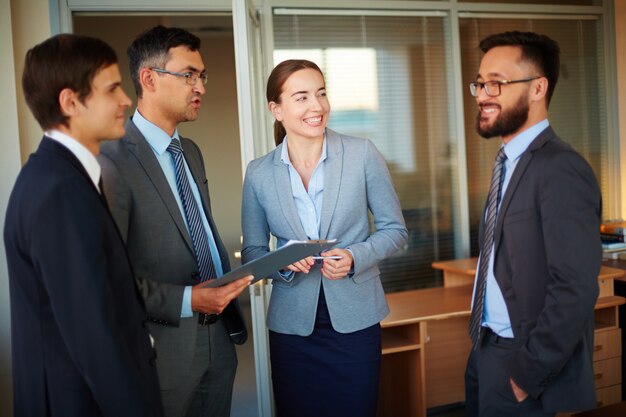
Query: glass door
[[254, 143]]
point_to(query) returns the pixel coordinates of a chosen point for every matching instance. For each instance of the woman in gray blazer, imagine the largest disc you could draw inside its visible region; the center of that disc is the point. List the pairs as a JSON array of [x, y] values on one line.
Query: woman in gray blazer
[[324, 313]]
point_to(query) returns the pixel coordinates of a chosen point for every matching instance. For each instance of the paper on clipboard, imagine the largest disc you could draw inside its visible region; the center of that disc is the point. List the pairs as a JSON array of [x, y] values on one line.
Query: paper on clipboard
[[273, 261]]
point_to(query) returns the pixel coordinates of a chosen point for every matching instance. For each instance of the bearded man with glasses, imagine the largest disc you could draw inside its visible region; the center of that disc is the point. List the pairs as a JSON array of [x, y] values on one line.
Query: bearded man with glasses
[[536, 284]]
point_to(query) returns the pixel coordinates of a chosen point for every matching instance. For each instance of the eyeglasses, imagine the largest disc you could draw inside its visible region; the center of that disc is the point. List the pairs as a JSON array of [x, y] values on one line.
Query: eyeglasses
[[492, 88], [191, 78]]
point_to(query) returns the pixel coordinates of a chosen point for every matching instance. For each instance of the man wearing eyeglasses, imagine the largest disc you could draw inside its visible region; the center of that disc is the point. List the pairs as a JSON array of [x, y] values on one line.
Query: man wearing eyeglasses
[[156, 187], [536, 283]]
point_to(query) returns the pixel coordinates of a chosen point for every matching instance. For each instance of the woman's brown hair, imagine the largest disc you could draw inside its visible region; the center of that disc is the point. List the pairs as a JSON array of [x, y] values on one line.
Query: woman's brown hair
[[275, 83]]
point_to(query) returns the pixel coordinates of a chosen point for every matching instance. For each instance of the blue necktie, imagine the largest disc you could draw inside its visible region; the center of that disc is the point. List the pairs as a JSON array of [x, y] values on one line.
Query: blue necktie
[[192, 213], [493, 200]]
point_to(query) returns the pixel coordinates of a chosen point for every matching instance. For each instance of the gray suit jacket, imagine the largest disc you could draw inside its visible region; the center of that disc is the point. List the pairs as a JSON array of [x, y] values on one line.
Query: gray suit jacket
[[356, 179], [160, 248]]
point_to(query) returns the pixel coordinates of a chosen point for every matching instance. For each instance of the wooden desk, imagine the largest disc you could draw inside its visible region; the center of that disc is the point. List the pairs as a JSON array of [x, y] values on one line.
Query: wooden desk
[[462, 272], [457, 271], [426, 345]]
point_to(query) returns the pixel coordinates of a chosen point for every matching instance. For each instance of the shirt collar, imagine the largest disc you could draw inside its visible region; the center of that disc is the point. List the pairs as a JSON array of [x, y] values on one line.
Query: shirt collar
[[154, 135], [284, 153], [84, 156], [518, 145]]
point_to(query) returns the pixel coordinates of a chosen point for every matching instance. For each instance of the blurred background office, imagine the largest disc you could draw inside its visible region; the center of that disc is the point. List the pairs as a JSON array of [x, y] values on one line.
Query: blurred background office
[[396, 72]]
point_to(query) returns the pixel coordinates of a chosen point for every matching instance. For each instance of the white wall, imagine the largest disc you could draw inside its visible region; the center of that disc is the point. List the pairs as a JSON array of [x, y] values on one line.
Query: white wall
[[31, 25]]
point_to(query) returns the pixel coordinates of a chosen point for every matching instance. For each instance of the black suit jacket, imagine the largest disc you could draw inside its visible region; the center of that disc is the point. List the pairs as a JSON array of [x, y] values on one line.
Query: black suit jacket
[[80, 347], [547, 260]]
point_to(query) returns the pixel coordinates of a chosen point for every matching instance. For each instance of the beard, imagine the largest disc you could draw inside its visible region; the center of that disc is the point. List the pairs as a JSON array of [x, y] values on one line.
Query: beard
[[508, 122]]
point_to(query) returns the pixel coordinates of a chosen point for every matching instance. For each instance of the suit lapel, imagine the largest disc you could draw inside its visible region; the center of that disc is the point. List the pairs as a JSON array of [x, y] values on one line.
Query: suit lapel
[[332, 179], [139, 147], [285, 196], [520, 168]]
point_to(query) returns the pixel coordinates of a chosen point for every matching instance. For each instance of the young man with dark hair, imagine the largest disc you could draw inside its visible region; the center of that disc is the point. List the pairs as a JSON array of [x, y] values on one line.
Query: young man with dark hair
[[536, 286], [156, 187], [80, 346]]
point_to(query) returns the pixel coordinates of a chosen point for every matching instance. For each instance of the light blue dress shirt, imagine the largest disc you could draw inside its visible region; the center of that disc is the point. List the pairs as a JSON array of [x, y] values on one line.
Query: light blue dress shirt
[[159, 141], [308, 202], [495, 313]]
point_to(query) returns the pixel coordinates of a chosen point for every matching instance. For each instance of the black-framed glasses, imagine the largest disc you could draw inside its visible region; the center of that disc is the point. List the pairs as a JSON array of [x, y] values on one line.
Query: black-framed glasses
[[191, 78], [492, 88]]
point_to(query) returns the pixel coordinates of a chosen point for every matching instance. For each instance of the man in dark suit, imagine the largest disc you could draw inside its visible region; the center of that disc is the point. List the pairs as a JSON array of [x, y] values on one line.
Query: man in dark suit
[[536, 285], [80, 346], [156, 187]]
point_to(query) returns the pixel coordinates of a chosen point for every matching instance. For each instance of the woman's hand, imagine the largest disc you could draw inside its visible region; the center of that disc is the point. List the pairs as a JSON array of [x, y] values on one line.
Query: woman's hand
[[337, 268], [303, 265]]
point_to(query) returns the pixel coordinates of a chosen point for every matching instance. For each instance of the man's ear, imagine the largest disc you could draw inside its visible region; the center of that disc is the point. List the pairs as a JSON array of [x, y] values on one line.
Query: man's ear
[[68, 101], [276, 110], [539, 89], [146, 79]]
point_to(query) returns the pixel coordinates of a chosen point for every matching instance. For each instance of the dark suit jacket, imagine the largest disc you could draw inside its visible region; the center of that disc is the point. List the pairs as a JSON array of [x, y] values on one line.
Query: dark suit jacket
[[159, 245], [80, 347], [547, 260]]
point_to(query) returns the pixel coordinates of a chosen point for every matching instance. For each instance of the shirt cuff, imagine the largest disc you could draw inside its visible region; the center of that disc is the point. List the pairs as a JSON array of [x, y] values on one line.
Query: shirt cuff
[[185, 310], [286, 275], [351, 271]]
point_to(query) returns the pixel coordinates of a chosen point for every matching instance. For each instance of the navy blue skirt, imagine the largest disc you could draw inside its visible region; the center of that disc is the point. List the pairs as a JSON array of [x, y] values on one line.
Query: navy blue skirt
[[328, 373]]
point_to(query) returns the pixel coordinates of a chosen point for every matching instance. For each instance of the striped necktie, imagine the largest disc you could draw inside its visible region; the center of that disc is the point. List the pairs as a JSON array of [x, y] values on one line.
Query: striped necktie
[[192, 213], [493, 200]]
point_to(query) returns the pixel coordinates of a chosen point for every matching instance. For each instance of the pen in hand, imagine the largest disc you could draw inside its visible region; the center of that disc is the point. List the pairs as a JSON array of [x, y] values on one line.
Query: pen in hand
[[321, 258]]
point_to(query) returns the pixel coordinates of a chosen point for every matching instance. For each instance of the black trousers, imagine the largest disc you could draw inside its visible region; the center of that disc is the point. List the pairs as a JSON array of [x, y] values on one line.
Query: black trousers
[[488, 392]]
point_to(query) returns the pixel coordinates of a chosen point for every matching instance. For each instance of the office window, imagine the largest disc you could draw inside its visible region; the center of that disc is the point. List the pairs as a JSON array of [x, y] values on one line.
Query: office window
[[577, 110], [388, 79]]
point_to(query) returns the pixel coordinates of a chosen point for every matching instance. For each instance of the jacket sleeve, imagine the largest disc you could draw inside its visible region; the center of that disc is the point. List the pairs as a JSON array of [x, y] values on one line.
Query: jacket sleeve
[[382, 201], [256, 230], [569, 204]]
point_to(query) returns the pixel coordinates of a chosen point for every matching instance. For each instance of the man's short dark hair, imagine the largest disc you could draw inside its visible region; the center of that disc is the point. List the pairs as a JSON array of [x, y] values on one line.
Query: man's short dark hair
[[151, 50], [539, 50], [62, 61]]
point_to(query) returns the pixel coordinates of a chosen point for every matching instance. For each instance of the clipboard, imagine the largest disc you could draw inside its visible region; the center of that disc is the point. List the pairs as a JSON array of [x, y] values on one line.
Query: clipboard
[[273, 261]]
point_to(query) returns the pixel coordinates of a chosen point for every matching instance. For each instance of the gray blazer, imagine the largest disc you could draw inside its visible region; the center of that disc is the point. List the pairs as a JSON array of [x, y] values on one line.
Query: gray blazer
[[160, 248], [356, 179]]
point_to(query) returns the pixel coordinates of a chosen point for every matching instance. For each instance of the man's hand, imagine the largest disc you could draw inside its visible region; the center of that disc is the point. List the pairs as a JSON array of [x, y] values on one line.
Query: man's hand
[[520, 394], [215, 300]]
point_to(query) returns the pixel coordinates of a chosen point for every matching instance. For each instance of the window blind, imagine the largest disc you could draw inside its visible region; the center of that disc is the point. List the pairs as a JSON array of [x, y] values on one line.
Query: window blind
[[388, 79], [577, 111]]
